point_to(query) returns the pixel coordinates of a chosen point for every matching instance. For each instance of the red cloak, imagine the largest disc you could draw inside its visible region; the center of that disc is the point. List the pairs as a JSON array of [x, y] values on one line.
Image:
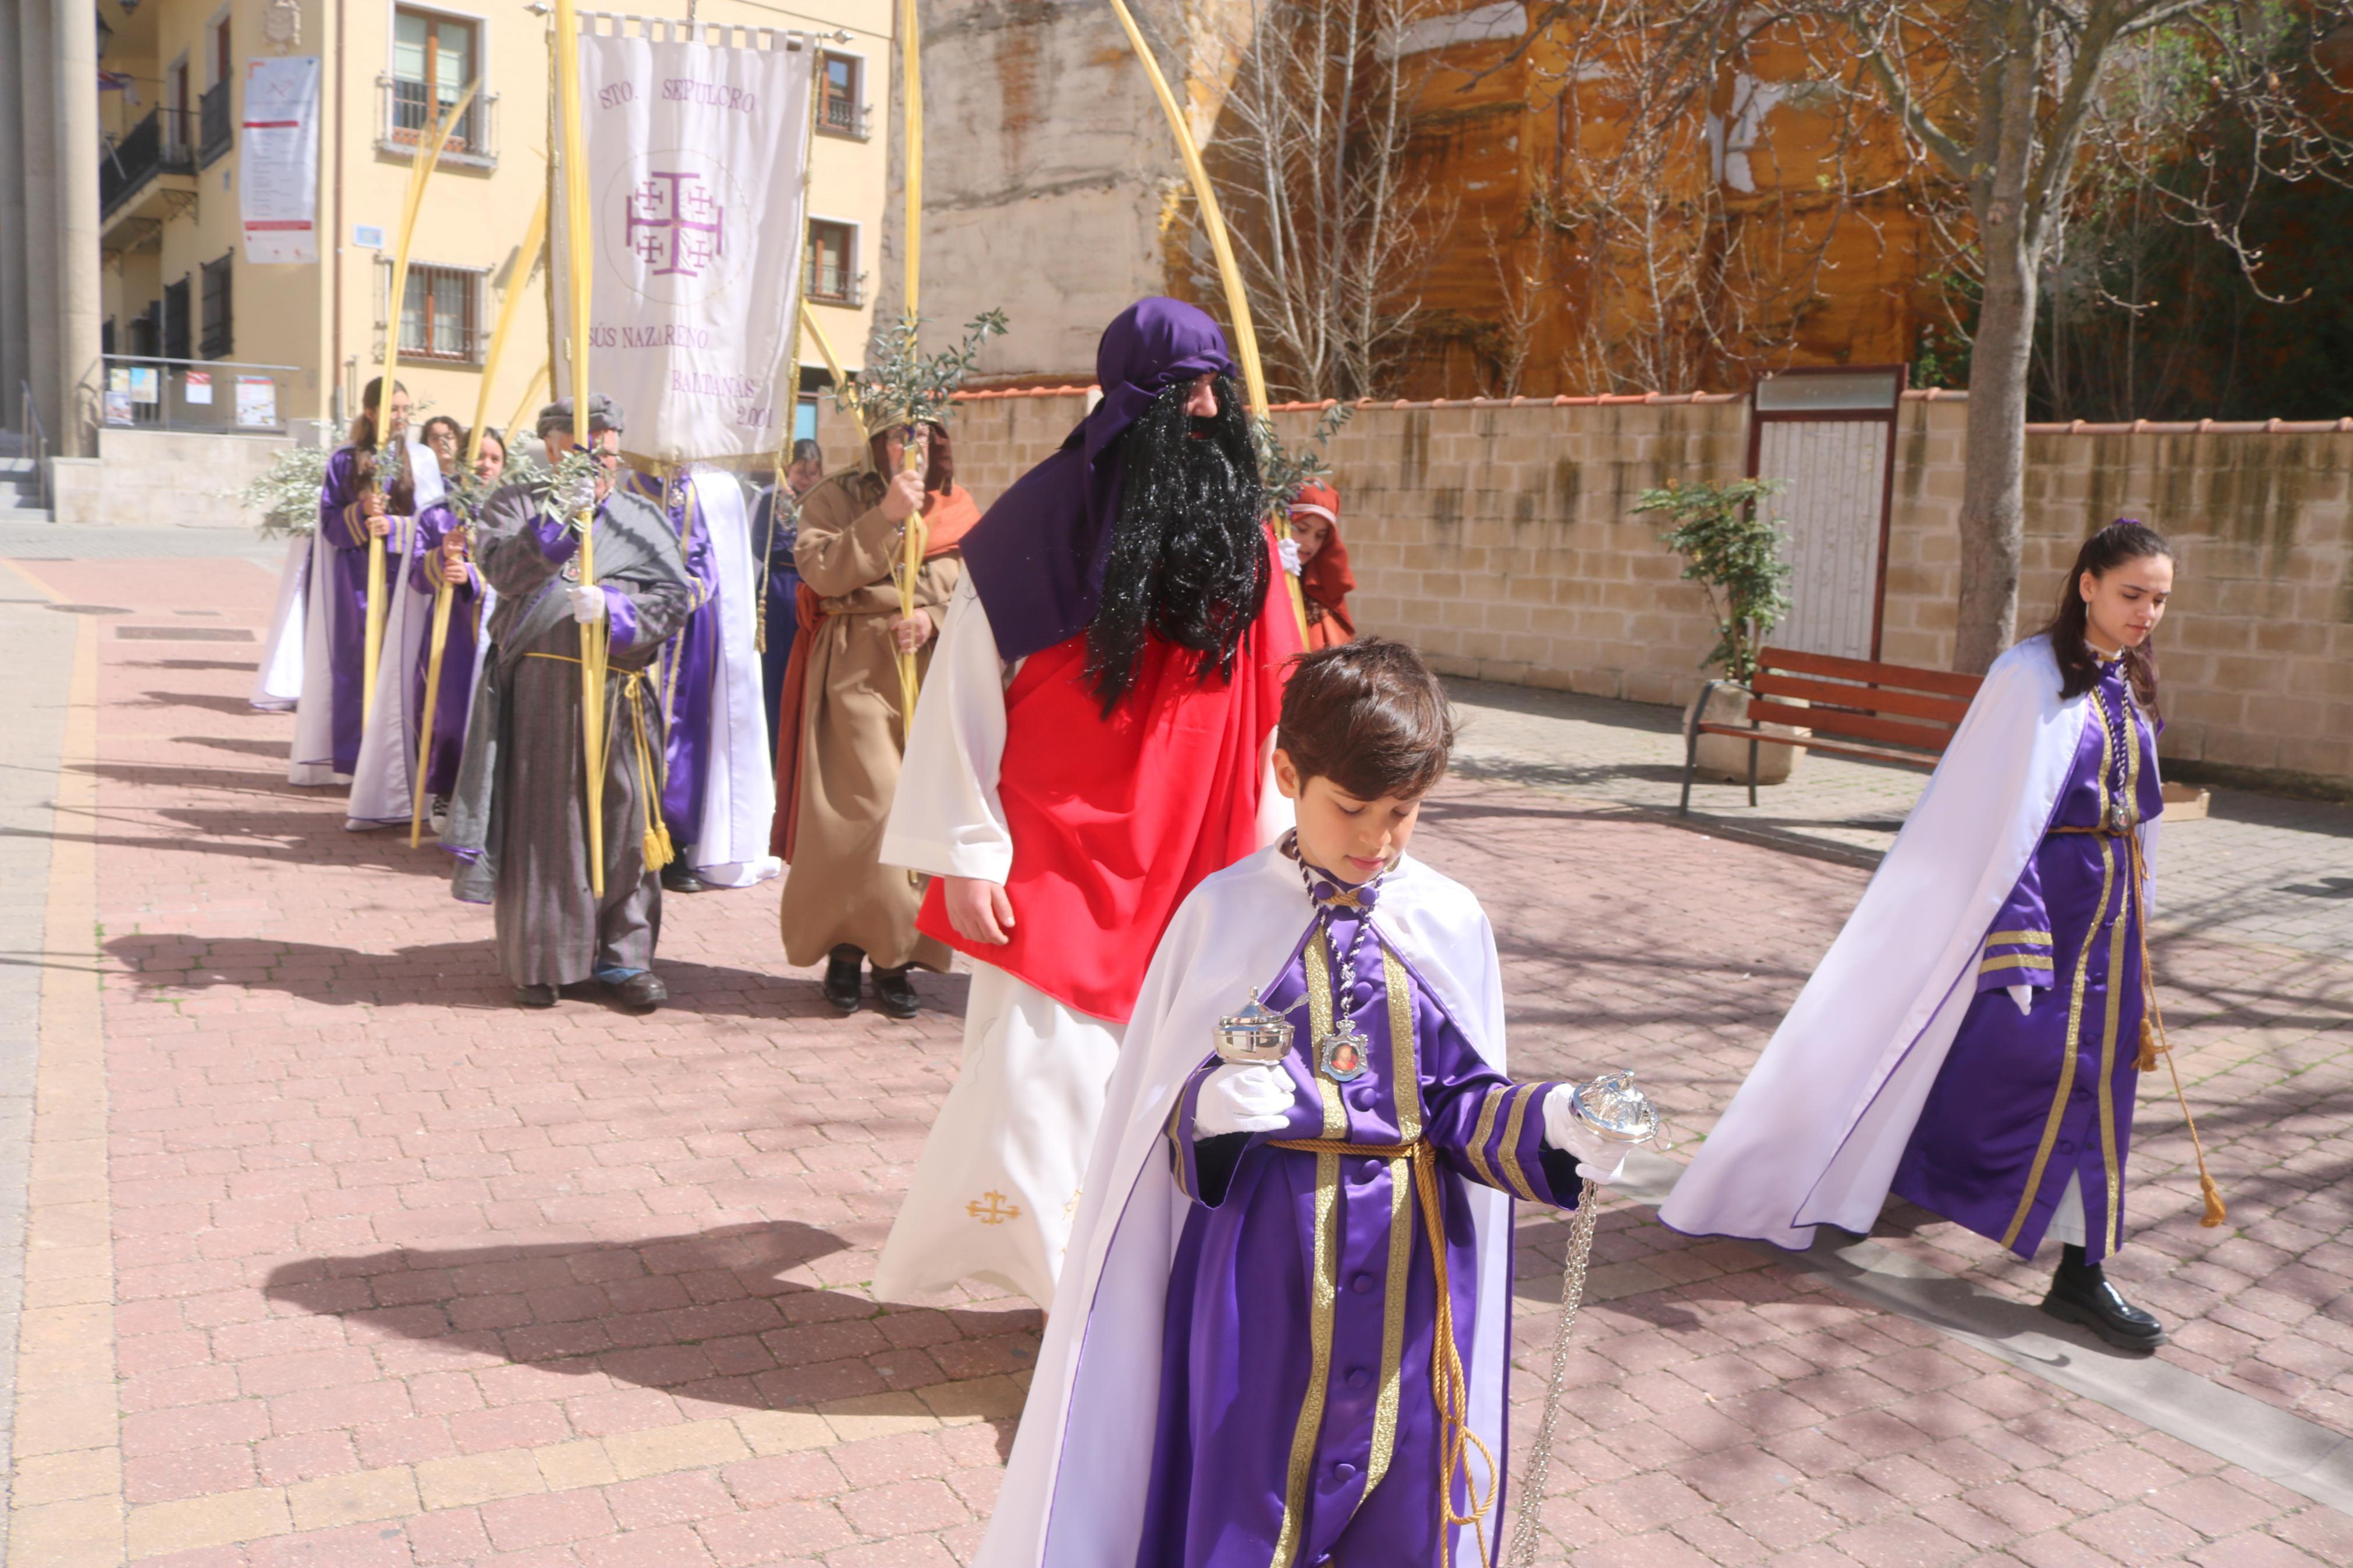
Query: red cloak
[[1115, 820]]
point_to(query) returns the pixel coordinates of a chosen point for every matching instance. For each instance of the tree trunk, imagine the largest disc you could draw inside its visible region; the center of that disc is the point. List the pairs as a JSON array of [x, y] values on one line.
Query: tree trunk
[[1993, 454]]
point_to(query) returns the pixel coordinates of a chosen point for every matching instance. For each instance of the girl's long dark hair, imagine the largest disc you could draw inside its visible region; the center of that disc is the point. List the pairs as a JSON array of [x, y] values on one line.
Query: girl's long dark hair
[[402, 497], [2127, 539], [1188, 553]]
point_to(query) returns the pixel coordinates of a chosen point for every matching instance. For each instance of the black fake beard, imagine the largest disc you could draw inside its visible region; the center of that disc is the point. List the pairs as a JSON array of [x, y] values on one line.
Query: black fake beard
[[1188, 554]]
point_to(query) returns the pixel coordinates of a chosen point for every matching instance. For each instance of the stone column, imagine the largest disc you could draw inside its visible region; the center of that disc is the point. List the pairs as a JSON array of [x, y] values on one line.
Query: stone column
[[75, 29], [37, 123], [15, 367]]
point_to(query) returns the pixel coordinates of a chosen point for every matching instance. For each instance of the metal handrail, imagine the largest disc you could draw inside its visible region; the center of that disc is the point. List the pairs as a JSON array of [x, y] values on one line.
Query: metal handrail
[[36, 438], [197, 363]]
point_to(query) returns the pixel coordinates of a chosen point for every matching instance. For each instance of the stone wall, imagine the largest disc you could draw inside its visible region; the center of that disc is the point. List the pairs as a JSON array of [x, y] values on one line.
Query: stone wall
[[1498, 539], [164, 478]]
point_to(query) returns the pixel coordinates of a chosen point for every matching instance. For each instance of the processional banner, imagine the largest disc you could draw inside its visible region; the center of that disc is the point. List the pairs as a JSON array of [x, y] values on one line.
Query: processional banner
[[698, 157]]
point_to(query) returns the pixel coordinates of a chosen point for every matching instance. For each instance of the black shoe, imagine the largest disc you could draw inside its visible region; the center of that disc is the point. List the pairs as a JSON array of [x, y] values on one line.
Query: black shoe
[[2080, 1293], [534, 995], [895, 995], [640, 993], [678, 876], [841, 967]]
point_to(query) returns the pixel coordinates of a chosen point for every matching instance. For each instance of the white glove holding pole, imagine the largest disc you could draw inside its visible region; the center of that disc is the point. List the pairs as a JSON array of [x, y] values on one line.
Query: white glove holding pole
[[1598, 1158], [1289, 555], [587, 603], [1244, 1097]]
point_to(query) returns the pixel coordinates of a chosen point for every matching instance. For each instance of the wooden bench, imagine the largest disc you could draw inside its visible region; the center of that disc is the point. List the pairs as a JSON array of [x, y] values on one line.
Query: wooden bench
[[1853, 707]]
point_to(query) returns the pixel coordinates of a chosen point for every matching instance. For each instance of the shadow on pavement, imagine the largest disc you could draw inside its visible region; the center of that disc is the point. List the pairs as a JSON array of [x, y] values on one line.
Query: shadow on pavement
[[704, 1316], [463, 975]]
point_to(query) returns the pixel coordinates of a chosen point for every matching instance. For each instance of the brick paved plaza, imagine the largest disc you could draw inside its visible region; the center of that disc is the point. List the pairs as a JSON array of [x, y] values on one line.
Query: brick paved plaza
[[332, 1257]]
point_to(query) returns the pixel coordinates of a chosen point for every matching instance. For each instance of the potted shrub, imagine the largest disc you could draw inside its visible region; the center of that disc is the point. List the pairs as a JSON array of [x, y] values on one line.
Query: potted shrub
[[1733, 552]]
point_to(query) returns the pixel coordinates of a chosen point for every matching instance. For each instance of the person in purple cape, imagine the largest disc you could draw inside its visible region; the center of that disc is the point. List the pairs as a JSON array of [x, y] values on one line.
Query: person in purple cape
[[1972, 1040], [444, 559], [1282, 1334], [356, 504]]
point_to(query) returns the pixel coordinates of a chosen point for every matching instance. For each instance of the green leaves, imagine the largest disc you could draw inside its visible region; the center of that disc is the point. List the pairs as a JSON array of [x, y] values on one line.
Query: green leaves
[[1283, 470], [901, 385], [1734, 554], [286, 493]]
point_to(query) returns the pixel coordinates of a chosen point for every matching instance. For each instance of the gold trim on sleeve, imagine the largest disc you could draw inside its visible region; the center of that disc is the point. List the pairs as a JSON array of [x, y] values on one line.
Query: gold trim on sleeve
[[1478, 1150], [2039, 963], [2007, 938], [1509, 1150]]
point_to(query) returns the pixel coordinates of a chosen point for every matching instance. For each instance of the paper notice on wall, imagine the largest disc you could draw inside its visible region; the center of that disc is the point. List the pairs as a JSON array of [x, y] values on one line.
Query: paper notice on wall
[[198, 386], [257, 401], [278, 197], [696, 164]]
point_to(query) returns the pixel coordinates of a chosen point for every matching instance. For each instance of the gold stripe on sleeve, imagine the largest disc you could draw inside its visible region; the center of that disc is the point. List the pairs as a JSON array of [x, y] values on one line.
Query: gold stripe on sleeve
[[1487, 1109], [1509, 1150], [2038, 963], [2009, 938]]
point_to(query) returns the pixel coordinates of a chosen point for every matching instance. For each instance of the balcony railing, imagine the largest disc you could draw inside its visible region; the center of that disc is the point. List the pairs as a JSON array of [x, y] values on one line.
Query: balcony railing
[[406, 115], [844, 117], [829, 285], [158, 145], [221, 395], [217, 133]]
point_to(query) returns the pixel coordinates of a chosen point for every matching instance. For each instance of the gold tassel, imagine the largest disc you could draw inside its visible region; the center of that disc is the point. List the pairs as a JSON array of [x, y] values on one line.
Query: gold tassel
[[658, 849], [2215, 1213], [2146, 1061]]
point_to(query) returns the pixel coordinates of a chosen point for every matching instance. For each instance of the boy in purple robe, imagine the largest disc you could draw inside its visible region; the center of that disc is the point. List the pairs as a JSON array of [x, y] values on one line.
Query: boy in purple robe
[[1280, 1334], [1972, 1040], [442, 558]]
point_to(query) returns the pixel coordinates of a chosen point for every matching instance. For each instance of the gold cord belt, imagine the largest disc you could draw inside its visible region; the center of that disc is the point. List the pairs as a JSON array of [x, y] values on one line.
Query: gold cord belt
[[655, 841], [2153, 1041], [1450, 1389]]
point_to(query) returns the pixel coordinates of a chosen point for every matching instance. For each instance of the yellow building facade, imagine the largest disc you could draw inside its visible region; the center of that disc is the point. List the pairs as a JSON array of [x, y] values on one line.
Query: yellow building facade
[[177, 285]]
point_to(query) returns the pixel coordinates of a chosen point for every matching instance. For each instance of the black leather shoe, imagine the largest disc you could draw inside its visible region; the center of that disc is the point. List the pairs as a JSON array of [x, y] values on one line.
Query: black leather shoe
[[534, 995], [2080, 1293], [895, 995], [841, 967], [678, 876], [642, 992]]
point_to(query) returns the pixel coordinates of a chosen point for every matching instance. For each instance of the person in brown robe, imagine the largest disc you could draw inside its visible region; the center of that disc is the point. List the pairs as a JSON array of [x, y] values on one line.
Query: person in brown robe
[[840, 727], [1324, 580]]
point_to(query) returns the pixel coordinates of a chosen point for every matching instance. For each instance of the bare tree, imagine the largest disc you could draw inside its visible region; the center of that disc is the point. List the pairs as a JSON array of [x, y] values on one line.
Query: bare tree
[[2018, 102], [1333, 230]]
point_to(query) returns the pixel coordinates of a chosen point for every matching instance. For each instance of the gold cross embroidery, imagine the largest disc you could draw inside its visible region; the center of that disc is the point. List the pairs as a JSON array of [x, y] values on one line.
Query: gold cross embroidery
[[992, 1209]]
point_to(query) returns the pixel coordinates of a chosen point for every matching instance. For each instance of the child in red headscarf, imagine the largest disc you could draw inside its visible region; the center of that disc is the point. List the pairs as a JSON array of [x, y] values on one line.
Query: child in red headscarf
[[1324, 579]]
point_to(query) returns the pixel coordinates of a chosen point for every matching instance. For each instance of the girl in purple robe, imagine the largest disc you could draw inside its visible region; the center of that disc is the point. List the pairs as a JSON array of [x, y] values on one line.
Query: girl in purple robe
[[441, 557], [2008, 926], [1281, 1333]]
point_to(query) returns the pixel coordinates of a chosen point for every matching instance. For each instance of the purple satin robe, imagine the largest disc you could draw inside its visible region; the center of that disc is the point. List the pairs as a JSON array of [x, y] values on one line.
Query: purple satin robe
[[1243, 1329], [2024, 1101], [689, 669], [457, 654]]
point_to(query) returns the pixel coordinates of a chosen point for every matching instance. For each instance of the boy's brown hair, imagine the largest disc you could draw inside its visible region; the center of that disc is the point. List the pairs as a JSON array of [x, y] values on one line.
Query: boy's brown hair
[[1369, 716]]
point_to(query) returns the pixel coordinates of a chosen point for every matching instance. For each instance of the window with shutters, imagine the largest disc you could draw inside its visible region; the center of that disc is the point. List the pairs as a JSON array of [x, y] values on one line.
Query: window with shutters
[[832, 273], [440, 313], [219, 334], [178, 337], [434, 59]]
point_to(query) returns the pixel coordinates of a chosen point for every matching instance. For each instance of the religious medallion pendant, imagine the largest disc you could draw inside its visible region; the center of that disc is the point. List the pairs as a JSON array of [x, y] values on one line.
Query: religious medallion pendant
[[1340, 1054], [571, 569]]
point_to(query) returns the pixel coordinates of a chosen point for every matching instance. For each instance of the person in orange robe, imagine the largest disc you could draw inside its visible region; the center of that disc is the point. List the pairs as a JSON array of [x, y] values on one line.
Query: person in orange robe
[[1324, 580]]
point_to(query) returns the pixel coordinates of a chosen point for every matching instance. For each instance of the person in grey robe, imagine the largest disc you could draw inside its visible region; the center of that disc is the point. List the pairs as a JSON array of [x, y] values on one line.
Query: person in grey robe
[[518, 823]]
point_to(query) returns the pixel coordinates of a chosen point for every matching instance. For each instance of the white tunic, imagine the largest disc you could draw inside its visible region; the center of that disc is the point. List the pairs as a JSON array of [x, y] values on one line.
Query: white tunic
[[277, 682], [739, 785], [999, 1180]]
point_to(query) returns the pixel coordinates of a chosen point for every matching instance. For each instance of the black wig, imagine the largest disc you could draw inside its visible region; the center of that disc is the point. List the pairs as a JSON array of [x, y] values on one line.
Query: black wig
[[1188, 555]]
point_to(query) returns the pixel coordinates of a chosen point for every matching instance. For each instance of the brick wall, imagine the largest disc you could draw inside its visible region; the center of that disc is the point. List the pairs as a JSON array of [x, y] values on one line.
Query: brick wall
[[1497, 539]]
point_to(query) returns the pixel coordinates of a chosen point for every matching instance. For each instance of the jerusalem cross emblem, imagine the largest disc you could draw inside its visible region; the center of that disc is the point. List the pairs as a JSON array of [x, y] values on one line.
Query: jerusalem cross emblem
[[675, 225]]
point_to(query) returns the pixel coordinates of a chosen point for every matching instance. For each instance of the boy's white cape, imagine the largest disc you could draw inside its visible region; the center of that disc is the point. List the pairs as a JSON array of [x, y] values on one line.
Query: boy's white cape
[[1074, 1490], [1814, 1135], [739, 787]]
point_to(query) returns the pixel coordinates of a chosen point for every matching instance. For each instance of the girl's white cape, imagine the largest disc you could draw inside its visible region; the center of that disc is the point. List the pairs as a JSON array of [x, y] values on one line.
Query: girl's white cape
[[278, 683], [1074, 1490], [1814, 1135], [739, 786]]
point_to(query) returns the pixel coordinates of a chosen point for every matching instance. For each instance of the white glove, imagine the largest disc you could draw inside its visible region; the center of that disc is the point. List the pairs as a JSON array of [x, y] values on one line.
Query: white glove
[[1244, 1097], [587, 603], [2021, 995], [1597, 1159], [1289, 555]]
